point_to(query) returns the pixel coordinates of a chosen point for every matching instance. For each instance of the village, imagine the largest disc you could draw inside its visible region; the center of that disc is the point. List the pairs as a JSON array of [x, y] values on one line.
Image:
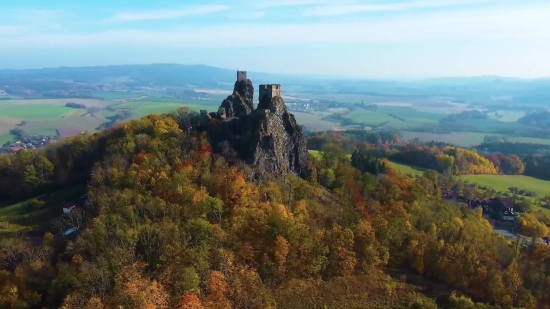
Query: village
[[498, 211], [27, 142]]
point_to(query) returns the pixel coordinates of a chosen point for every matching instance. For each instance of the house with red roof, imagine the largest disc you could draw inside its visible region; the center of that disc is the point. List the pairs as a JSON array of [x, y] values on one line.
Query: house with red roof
[[68, 207]]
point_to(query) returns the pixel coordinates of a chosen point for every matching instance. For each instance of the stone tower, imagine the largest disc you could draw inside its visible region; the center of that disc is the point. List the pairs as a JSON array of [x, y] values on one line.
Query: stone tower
[[269, 91], [241, 76]]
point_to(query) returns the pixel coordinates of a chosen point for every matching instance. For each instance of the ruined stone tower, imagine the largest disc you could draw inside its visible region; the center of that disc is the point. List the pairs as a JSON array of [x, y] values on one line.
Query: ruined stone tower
[[267, 138], [241, 76], [269, 91]]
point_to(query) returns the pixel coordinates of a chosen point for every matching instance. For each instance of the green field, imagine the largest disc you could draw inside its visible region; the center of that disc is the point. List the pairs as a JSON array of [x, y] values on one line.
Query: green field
[[506, 116], [463, 139], [31, 112], [314, 122], [411, 114], [115, 95], [400, 117], [44, 116], [372, 117], [406, 169], [22, 216], [503, 182], [49, 102], [4, 138], [143, 108]]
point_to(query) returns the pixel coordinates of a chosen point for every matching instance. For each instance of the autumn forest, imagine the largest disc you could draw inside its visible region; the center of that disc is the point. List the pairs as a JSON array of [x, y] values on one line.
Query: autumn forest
[[168, 223]]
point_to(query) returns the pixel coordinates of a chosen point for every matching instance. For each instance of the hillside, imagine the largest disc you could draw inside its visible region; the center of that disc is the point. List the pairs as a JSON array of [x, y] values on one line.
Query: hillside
[[540, 119], [171, 221]]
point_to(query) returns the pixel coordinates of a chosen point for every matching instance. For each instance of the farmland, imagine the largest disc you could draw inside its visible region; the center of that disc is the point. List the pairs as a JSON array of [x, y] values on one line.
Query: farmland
[[34, 112], [463, 139], [46, 116], [145, 107]]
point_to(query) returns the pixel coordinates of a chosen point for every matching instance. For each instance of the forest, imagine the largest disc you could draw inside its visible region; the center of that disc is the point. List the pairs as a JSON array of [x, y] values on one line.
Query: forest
[[442, 157], [170, 224]]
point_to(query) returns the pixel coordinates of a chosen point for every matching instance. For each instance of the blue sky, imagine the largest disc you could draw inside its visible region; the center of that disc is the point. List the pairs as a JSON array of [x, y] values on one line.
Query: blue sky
[[356, 38]]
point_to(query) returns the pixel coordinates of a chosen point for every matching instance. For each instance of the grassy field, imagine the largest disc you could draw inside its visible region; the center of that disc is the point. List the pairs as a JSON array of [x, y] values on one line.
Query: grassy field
[[30, 112], [406, 169], [115, 95], [463, 139], [314, 122], [44, 116], [503, 182], [372, 117], [411, 114], [54, 102], [506, 116], [400, 117], [22, 216], [143, 108]]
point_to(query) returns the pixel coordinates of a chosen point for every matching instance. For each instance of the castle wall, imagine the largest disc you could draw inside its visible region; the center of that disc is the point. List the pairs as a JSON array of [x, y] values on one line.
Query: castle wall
[[270, 91], [241, 76]]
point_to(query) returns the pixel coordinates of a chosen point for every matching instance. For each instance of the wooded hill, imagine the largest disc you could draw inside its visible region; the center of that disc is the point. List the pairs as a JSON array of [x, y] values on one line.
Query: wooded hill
[[169, 224]]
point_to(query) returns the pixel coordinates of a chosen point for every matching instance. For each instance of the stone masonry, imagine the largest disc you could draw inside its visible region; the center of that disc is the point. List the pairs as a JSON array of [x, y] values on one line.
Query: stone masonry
[[269, 91], [241, 76]]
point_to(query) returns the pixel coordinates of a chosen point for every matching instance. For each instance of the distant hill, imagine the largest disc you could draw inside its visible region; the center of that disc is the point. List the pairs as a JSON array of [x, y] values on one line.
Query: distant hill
[[538, 119], [150, 74], [62, 82]]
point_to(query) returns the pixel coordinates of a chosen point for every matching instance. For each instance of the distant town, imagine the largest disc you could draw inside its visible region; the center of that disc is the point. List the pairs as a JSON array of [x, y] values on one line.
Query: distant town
[[27, 142]]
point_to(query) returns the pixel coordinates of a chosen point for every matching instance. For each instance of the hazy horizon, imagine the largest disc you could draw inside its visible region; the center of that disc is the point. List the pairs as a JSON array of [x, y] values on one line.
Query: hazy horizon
[[397, 39], [321, 76]]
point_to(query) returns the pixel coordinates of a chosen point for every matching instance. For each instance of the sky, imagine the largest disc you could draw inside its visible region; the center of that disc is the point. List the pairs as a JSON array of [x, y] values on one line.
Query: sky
[[352, 38]]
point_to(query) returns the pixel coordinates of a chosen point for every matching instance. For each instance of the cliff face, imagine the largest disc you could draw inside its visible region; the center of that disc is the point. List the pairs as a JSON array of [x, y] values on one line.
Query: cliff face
[[240, 103], [268, 139]]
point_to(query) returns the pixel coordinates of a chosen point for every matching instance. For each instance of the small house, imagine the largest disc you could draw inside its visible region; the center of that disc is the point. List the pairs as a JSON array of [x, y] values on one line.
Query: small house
[[497, 208], [68, 207]]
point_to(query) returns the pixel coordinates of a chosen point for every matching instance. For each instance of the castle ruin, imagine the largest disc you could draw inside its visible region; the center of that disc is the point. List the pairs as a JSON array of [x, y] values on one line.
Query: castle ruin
[[269, 91], [241, 76], [267, 138]]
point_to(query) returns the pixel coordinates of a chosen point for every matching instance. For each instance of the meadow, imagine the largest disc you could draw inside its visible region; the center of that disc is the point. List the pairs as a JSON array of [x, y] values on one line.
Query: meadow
[[406, 169], [34, 112], [115, 95], [22, 216], [147, 106], [503, 182], [372, 117], [463, 139], [314, 122], [44, 116], [506, 115]]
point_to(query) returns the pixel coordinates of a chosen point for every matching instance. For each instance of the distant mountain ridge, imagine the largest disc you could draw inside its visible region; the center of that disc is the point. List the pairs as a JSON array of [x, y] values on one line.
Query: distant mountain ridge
[[84, 79], [173, 74]]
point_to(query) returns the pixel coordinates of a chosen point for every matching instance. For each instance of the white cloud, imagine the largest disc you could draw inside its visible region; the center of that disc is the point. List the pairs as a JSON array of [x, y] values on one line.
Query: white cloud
[[168, 14], [345, 9], [511, 24]]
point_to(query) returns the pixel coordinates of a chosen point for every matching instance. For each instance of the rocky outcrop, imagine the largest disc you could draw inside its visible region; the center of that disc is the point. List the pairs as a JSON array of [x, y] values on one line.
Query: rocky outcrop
[[240, 103], [268, 139]]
